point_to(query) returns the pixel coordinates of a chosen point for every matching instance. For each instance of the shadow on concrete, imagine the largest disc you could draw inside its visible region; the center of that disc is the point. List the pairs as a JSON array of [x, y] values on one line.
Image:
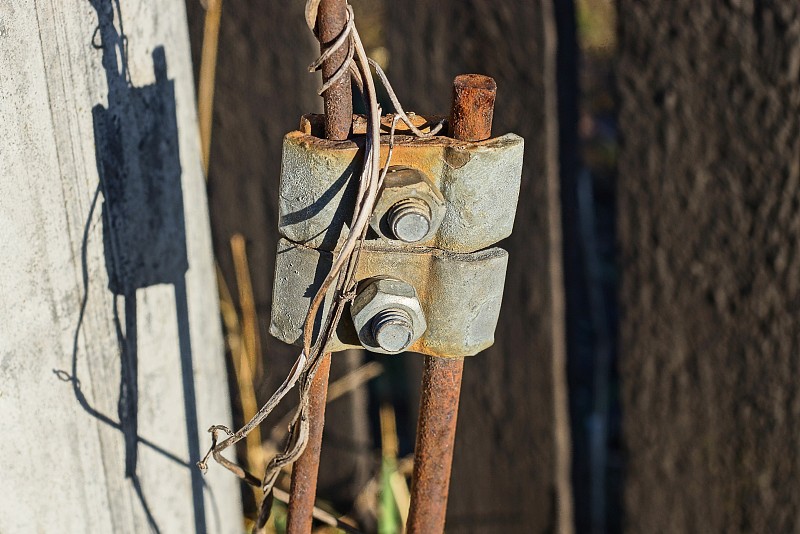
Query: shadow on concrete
[[144, 236]]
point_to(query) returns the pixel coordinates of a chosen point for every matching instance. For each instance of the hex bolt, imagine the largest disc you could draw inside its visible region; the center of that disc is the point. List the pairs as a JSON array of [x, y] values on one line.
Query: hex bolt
[[410, 220], [410, 207], [393, 329], [388, 316]]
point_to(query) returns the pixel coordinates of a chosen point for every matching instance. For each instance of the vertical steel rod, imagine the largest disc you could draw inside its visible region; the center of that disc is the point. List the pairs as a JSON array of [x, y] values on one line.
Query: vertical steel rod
[[473, 107], [331, 20], [433, 454], [303, 492], [470, 120]]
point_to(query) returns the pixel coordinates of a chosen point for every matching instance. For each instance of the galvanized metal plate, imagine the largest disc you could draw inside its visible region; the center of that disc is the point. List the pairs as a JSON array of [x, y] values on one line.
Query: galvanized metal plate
[[479, 181], [460, 294]]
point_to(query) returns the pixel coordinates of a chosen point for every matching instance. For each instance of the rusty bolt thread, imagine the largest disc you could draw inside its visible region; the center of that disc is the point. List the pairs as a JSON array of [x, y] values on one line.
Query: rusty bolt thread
[[393, 330], [410, 220], [473, 107], [331, 20]]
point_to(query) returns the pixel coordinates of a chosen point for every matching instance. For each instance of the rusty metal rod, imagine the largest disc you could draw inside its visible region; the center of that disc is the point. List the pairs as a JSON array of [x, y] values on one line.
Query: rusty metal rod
[[303, 492], [470, 120], [331, 20], [433, 454], [473, 107]]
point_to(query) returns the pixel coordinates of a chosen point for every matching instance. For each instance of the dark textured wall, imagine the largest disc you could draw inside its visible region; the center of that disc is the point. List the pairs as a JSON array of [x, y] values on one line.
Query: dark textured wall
[[709, 222], [508, 460]]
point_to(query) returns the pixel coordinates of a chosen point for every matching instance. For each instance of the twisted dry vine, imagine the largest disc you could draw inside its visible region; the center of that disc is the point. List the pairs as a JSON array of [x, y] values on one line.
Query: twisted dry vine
[[342, 272]]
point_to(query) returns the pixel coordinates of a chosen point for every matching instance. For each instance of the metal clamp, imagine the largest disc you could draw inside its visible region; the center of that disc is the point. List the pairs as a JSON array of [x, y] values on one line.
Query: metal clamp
[[477, 182], [428, 282], [460, 294]]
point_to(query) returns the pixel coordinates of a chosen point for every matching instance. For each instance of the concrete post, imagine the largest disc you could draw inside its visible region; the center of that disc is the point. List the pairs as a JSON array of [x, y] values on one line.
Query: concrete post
[[111, 353]]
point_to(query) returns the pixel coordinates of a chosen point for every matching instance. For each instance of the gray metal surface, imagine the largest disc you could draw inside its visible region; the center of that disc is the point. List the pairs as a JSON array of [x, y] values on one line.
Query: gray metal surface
[[478, 181], [460, 294]]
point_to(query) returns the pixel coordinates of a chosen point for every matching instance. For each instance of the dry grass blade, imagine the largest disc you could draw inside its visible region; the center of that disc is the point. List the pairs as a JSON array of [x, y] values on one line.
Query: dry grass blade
[[353, 380], [349, 382], [394, 483], [402, 496], [242, 369], [244, 345], [208, 70], [252, 339], [343, 523]]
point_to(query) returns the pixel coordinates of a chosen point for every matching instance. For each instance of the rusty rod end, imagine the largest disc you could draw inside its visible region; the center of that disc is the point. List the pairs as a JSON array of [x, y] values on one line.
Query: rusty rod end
[[473, 107]]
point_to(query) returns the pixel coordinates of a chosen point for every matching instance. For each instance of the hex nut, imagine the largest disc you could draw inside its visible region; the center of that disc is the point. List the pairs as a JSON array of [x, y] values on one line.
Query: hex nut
[[409, 208], [388, 316]]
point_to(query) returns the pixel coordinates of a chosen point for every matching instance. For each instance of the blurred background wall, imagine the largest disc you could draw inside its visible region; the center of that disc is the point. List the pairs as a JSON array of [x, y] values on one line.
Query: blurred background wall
[[511, 465], [709, 223], [700, 183]]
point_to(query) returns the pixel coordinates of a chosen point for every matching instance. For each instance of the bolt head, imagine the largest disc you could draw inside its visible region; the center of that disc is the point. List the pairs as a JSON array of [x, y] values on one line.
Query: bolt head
[[388, 316]]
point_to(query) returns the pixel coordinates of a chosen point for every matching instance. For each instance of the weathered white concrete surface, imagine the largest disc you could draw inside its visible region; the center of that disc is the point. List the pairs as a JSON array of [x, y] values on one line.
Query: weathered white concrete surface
[[111, 360]]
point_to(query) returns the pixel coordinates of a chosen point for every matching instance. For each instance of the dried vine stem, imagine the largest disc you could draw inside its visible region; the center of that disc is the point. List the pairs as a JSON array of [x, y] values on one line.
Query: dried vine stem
[[342, 272]]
